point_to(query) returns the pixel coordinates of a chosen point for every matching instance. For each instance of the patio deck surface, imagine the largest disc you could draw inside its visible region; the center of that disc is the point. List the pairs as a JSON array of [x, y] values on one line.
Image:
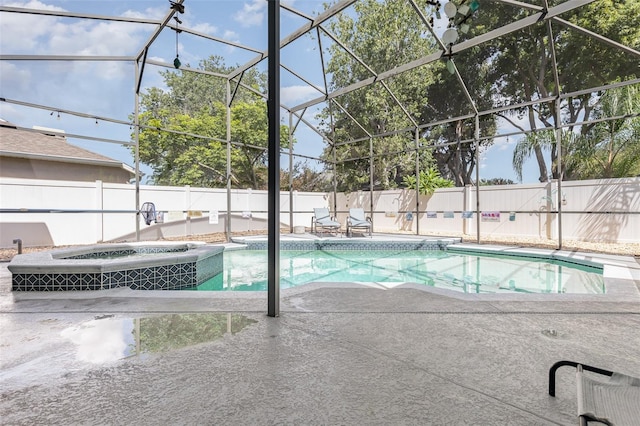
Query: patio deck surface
[[337, 354]]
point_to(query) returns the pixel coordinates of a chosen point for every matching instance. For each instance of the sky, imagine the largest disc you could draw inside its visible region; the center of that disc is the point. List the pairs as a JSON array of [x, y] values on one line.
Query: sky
[[106, 89]]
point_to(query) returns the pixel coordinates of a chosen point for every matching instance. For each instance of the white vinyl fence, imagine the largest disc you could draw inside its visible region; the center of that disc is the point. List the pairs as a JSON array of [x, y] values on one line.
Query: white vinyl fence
[[41, 212], [606, 210]]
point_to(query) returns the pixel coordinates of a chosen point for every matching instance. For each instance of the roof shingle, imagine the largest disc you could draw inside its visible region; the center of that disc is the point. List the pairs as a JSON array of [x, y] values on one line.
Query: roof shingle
[[19, 141]]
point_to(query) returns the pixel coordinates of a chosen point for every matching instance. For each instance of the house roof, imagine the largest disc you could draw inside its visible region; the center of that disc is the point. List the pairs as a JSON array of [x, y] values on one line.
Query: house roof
[[47, 144]]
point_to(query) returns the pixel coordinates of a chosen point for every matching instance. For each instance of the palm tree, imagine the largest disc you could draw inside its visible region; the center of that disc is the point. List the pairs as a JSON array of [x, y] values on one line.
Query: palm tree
[[605, 149]]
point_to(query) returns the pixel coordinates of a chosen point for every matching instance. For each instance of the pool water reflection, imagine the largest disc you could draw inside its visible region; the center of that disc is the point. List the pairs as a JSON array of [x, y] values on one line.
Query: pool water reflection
[[246, 270]]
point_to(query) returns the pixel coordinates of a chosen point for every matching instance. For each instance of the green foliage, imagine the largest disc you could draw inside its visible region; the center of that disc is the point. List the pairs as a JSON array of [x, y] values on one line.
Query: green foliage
[[381, 40], [611, 149], [306, 179], [430, 180], [605, 149], [193, 107], [384, 35], [523, 68], [496, 181]]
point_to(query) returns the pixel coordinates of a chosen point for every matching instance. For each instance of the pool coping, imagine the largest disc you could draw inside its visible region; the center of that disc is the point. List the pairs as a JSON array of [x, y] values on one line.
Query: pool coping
[[621, 273]]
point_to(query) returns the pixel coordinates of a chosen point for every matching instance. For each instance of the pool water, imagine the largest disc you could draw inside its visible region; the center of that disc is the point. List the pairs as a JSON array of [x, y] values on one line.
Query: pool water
[[246, 270]]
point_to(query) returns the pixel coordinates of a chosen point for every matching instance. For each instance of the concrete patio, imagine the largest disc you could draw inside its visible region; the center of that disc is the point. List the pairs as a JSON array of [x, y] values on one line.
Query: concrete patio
[[338, 354]]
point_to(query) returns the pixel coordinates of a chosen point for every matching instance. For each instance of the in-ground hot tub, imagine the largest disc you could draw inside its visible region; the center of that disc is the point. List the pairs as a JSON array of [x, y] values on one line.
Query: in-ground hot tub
[[139, 266]]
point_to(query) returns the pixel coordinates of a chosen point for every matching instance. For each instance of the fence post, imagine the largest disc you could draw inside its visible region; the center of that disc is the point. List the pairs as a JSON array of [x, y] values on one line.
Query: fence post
[[187, 200], [99, 205], [466, 206]]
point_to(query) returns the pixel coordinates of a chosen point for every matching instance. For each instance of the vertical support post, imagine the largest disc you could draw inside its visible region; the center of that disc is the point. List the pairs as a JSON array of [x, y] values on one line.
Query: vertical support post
[[466, 206], [273, 108], [227, 222], [549, 208], [477, 142], [559, 192], [417, 140], [335, 179], [290, 172], [371, 182], [136, 125]]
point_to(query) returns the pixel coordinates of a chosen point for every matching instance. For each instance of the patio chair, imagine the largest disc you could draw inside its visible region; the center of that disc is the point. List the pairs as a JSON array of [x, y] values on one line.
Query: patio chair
[[612, 402], [357, 220], [322, 220]]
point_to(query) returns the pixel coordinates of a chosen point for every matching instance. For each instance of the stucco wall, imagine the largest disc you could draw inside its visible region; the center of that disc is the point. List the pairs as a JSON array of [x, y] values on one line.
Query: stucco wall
[[24, 168]]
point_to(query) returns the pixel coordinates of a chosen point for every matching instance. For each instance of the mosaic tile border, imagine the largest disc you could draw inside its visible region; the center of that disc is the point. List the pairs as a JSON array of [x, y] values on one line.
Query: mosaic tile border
[[358, 245]]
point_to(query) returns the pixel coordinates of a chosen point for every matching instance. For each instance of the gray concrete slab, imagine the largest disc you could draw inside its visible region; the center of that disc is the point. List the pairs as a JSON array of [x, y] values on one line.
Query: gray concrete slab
[[337, 355]]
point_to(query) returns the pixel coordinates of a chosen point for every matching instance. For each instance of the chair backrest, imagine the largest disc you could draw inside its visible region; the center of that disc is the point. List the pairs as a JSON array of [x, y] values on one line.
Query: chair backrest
[[357, 214], [321, 213]]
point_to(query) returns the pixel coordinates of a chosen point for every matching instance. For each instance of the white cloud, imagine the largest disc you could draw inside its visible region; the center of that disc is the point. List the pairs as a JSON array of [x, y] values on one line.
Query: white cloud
[[149, 13], [252, 14], [204, 27], [231, 35], [293, 95], [13, 76], [34, 34], [20, 31]]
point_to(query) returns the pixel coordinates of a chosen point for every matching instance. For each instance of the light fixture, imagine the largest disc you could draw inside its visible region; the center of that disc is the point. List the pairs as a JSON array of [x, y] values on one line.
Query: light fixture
[[458, 12], [450, 9], [450, 36], [176, 61]]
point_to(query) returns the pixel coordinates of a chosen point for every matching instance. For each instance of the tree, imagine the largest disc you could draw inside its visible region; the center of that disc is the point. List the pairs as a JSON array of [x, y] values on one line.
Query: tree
[[496, 181], [306, 179], [604, 149], [610, 148], [384, 35], [193, 109], [523, 69]]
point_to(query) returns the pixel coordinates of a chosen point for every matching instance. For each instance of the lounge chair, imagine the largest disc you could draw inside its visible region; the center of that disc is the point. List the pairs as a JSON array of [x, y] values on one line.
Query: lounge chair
[[322, 220], [357, 220], [612, 402]]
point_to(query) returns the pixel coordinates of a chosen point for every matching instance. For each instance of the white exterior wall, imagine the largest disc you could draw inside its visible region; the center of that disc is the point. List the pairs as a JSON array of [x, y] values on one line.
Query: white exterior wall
[[596, 210]]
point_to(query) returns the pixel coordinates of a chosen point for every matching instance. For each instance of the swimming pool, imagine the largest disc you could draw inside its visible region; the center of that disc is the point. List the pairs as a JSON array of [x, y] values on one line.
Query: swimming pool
[[246, 270]]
